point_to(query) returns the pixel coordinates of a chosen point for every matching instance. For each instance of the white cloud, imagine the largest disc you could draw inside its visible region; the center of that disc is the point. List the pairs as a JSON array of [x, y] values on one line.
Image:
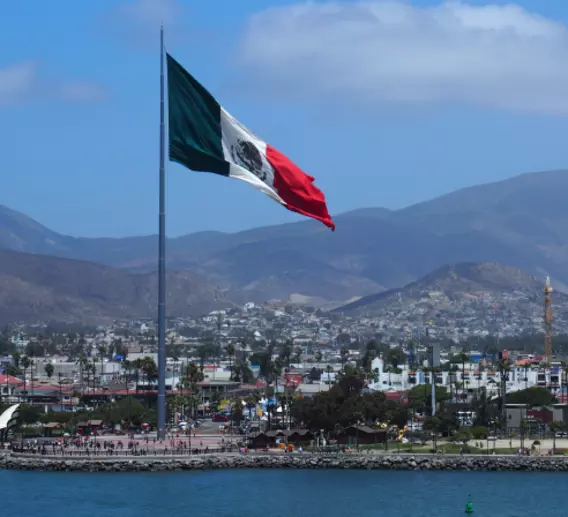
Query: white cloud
[[16, 82], [23, 82], [391, 52]]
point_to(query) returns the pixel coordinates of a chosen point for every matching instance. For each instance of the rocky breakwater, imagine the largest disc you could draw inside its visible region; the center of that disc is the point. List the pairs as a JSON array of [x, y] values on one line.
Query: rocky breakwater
[[279, 461]]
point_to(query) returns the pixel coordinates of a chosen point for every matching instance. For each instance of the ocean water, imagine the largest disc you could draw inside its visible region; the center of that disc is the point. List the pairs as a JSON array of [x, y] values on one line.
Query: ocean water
[[282, 493]]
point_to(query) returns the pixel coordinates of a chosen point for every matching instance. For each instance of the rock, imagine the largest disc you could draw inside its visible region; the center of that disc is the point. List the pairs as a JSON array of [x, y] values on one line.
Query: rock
[[368, 462]]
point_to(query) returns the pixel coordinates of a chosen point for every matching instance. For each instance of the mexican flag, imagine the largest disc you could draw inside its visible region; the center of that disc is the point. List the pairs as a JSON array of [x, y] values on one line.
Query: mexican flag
[[203, 136]]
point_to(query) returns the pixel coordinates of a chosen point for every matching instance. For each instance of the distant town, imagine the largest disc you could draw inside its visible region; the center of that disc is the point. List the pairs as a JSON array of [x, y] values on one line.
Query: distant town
[[261, 369]]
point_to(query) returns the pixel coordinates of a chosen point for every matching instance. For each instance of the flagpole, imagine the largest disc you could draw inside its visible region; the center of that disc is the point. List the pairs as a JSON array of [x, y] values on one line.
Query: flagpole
[[162, 260]]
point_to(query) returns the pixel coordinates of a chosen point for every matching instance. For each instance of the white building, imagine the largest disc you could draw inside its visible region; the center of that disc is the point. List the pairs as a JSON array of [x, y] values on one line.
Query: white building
[[469, 380]]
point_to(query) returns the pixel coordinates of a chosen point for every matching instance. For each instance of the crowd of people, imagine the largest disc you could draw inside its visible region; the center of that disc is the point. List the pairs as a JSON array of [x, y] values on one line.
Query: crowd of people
[[92, 447]]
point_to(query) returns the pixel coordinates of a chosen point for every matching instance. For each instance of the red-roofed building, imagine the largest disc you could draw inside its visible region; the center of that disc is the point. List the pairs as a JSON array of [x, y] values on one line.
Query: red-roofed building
[[8, 380], [8, 385]]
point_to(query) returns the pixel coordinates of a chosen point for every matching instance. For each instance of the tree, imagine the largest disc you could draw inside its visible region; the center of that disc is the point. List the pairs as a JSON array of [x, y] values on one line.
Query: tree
[[318, 357], [343, 339], [83, 361], [343, 354], [16, 357], [237, 411], [433, 424], [479, 432], [35, 349], [314, 375], [242, 373], [205, 352], [26, 363], [395, 356], [102, 352], [463, 436], [533, 397], [6, 347], [286, 353], [262, 359], [555, 427], [49, 369], [150, 369], [420, 397], [251, 401], [462, 358], [344, 405], [230, 350], [13, 370], [126, 366], [194, 376]]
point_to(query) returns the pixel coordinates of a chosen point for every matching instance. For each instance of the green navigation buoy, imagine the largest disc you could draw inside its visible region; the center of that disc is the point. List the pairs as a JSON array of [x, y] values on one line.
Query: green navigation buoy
[[469, 505]]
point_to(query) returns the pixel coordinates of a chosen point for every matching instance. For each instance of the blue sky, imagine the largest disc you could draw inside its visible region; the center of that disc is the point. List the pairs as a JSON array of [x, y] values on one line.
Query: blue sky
[[386, 104]]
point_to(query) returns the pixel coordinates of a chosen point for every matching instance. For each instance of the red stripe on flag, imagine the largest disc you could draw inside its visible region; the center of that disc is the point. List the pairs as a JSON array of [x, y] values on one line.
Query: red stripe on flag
[[297, 189]]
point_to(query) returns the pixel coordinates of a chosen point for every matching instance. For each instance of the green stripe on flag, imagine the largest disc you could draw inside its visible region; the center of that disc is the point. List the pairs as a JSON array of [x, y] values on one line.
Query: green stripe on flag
[[194, 123]]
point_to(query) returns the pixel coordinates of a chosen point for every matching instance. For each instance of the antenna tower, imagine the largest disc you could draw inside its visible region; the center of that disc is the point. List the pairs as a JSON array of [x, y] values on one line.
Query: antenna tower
[[548, 320]]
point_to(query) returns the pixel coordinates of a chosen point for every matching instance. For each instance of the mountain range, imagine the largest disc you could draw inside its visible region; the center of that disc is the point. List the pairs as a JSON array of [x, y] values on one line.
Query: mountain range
[[41, 288], [521, 222]]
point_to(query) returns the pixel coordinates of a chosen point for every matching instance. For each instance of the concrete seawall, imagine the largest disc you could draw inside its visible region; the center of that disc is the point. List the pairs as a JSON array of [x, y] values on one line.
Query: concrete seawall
[[305, 461]]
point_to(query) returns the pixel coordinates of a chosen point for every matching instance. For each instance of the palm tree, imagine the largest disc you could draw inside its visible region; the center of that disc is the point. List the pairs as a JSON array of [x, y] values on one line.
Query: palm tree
[[343, 354], [526, 368], [82, 362], [214, 401], [16, 357], [150, 369], [276, 371], [26, 363], [126, 366], [251, 401], [230, 350], [192, 402], [134, 367], [555, 427], [329, 370], [194, 376], [87, 370], [102, 352], [463, 357], [242, 372], [243, 345], [205, 352], [504, 366], [286, 353]]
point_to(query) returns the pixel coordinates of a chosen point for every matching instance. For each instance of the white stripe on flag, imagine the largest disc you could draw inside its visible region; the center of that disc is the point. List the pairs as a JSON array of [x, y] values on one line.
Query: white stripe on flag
[[246, 154]]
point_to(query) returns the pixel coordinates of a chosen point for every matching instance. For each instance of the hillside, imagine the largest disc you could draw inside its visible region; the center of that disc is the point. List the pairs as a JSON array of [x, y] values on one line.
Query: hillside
[[453, 283], [521, 221], [37, 287], [478, 298]]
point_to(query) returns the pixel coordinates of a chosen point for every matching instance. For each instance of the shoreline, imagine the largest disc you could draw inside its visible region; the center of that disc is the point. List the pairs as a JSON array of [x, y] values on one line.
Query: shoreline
[[468, 463]]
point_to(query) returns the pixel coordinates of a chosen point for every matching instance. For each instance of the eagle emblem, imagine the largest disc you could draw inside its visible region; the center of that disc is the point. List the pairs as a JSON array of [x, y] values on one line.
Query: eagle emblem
[[247, 155]]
